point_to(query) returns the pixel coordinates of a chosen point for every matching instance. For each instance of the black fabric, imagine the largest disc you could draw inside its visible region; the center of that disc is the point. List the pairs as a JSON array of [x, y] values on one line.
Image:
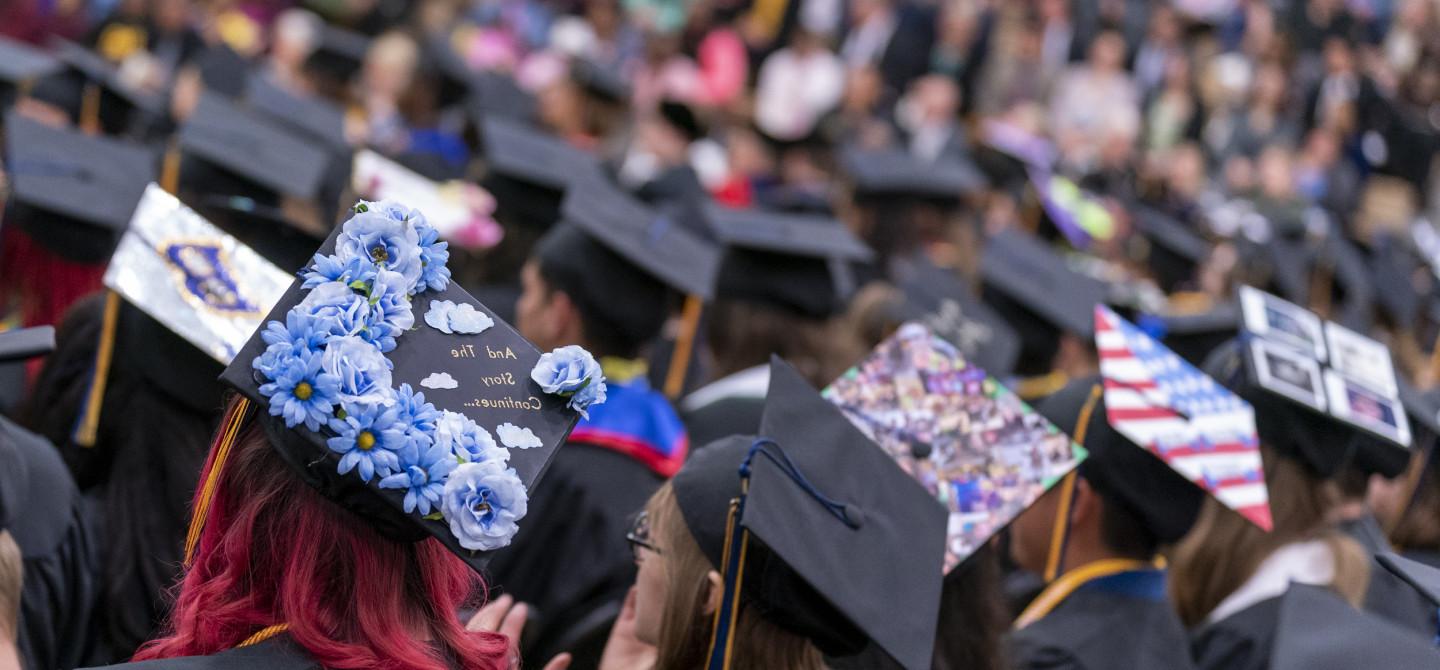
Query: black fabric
[[279, 653], [251, 145], [61, 590], [800, 264], [570, 557], [26, 343], [1319, 631], [723, 417], [1241, 641], [1388, 596], [1094, 629], [1122, 472]]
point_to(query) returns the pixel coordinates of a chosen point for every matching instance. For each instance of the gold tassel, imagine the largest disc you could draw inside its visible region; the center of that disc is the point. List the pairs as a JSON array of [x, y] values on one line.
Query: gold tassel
[[684, 346], [1067, 491], [230, 428], [89, 424]]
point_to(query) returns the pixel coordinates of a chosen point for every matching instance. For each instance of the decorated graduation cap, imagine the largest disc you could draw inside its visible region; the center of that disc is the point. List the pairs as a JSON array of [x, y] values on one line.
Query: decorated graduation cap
[[798, 263], [1317, 630], [971, 442], [895, 173], [182, 298], [1078, 215], [398, 396], [1334, 376], [1154, 417], [1034, 289], [458, 211], [529, 171], [817, 530], [251, 147], [72, 192], [937, 298]]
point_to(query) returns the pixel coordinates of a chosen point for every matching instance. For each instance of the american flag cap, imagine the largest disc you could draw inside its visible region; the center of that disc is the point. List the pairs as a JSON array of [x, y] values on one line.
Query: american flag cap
[[1163, 404]]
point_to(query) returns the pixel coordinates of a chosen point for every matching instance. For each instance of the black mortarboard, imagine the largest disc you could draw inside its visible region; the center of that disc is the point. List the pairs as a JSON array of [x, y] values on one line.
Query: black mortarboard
[[937, 298], [895, 173], [312, 115], [448, 368], [26, 343], [339, 53], [72, 192], [223, 70], [255, 148], [650, 241], [602, 82], [681, 117], [1317, 630], [797, 263], [94, 68], [1194, 335], [845, 549], [1175, 250], [1021, 274], [262, 227], [528, 171], [494, 94], [20, 66]]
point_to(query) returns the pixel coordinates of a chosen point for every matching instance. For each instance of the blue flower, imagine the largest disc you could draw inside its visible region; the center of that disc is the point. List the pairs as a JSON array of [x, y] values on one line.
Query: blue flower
[[467, 439], [363, 371], [334, 309], [368, 439], [384, 242], [389, 314], [571, 372], [434, 257], [566, 370], [356, 274], [423, 477], [484, 502], [301, 391], [592, 394], [419, 418]]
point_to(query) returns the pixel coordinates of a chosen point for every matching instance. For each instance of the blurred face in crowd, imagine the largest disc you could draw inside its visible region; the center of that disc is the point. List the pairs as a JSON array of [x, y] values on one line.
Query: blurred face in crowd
[[1269, 88], [390, 66], [1338, 57], [1108, 53], [663, 141], [294, 38], [170, 15], [1275, 177], [865, 10]]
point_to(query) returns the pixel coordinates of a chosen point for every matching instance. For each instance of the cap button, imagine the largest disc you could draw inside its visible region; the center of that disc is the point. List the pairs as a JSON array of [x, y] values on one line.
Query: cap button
[[854, 516]]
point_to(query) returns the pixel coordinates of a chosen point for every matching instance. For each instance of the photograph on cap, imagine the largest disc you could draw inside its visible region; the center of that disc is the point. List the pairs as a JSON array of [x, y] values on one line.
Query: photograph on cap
[[457, 210], [980, 450], [1275, 319], [1360, 358], [1198, 427], [1291, 374], [1357, 404], [190, 276]]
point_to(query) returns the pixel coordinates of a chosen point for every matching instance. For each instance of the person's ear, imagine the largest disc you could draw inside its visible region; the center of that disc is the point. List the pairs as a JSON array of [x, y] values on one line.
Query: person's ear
[[715, 594], [1087, 504], [563, 318]]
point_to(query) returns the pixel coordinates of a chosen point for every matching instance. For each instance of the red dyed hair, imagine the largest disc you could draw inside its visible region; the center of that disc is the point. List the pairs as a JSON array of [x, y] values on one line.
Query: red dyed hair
[[275, 551]]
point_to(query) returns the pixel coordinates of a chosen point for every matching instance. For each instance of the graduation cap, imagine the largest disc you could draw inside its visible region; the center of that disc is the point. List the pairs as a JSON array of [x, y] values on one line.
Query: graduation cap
[[1079, 216], [1178, 420], [72, 192], [94, 68], [1034, 289], [223, 71], [798, 263], [895, 173], [1317, 630], [339, 53], [314, 116], [1193, 335], [1175, 250], [26, 343], [601, 82], [971, 442], [831, 540], [939, 299], [481, 403], [264, 228], [1330, 370], [255, 148], [21, 65], [495, 94], [528, 171]]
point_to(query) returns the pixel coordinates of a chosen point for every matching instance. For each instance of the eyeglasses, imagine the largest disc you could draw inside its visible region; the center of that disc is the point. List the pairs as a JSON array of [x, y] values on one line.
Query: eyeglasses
[[639, 536]]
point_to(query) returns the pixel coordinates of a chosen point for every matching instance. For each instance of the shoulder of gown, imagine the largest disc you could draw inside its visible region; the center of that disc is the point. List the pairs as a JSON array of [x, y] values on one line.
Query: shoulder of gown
[[279, 653], [1241, 641], [1081, 633]]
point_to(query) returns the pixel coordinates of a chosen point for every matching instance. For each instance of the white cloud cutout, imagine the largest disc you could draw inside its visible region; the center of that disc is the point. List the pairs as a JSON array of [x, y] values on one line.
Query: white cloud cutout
[[516, 437], [439, 380]]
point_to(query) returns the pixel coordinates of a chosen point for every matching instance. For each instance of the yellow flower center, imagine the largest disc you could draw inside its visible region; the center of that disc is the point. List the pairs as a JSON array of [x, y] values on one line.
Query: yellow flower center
[[378, 253], [303, 390], [365, 440]]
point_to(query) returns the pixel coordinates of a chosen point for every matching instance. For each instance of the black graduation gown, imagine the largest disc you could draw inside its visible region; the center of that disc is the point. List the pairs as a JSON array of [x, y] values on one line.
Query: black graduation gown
[[724, 417], [1117, 622], [277, 653], [57, 606], [1241, 641], [570, 561], [1388, 596]]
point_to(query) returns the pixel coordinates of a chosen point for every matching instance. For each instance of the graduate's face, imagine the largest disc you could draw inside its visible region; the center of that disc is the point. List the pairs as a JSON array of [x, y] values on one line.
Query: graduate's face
[[1031, 531], [649, 596], [538, 312]]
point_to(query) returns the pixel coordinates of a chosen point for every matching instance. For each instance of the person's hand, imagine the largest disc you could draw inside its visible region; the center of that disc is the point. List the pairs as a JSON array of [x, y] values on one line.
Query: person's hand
[[505, 616], [623, 651]]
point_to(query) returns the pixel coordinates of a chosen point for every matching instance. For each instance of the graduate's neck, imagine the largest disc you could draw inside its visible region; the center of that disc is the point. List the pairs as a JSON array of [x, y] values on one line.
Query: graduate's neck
[[1085, 547]]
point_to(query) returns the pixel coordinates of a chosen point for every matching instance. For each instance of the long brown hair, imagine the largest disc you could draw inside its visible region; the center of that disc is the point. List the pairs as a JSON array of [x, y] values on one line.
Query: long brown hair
[[1418, 527], [1224, 550], [685, 628]]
